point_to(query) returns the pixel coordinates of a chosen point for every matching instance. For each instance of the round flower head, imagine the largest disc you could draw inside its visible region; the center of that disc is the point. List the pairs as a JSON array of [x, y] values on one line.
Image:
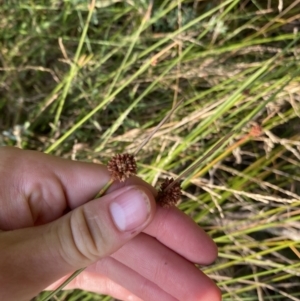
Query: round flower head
[[168, 197], [122, 166]]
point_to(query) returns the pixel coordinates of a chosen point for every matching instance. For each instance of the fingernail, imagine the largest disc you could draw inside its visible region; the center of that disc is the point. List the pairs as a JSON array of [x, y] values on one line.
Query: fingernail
[[130, 209]]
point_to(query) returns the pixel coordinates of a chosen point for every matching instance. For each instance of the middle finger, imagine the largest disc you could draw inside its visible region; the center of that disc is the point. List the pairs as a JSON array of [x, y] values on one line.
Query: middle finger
[[170, 271]]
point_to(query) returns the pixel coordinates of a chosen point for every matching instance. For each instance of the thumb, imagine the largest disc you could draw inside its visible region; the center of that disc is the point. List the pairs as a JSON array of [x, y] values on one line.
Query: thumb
[[79, 238], [101, 227]]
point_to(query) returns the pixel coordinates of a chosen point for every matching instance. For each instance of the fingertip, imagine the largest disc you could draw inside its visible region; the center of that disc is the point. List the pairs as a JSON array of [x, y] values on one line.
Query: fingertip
[[132, 209], [213, 294], [211, 253], [148, 192], [179, 232], [206, 289]]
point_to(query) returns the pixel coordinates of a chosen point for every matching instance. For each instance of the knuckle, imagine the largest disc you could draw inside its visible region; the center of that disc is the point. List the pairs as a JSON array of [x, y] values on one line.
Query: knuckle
[[76, 241], [82, 239], [97, 231], [82, 235]]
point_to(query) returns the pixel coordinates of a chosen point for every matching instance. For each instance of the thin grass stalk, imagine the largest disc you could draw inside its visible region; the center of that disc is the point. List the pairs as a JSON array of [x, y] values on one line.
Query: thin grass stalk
[[74, 67]]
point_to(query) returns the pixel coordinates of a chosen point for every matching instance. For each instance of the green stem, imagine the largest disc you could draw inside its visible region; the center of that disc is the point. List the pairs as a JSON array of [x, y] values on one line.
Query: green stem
[[74, 67], [104, 189], [52, 294]]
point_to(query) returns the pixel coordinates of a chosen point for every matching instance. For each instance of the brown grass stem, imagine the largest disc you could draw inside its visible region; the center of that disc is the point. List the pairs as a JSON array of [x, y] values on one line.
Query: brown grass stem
[[157, 127]]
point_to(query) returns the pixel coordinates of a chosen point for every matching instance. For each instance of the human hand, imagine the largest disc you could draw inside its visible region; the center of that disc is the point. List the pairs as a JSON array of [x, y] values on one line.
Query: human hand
[[51, 228]]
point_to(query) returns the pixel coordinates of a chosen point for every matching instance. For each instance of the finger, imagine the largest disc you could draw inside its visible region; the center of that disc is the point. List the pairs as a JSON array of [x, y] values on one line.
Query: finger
[[38, 188], [79, 238], [180, 233], [129, 279], [97, 283], [167, 269]]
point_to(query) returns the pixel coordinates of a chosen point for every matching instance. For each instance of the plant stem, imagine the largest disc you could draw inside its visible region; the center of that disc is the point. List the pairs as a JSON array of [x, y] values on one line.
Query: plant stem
[[52, 294]]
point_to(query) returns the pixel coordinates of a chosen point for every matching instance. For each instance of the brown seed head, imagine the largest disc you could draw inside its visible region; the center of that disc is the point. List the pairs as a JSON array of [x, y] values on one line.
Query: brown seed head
[[169, 197], [122, 166]]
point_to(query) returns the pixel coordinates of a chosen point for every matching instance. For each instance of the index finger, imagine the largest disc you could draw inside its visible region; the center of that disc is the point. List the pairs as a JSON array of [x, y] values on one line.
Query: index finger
[[180, 233]]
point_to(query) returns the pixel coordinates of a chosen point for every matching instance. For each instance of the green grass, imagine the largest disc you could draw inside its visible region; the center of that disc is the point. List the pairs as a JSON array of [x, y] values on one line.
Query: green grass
[[84, 83]]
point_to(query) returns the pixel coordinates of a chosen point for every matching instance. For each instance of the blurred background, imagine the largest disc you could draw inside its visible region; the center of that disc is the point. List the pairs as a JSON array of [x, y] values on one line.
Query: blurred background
[[85, 80]]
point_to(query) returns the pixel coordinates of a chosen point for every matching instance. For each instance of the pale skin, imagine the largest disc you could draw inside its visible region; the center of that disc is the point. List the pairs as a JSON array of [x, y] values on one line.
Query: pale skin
[[58, 229]]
